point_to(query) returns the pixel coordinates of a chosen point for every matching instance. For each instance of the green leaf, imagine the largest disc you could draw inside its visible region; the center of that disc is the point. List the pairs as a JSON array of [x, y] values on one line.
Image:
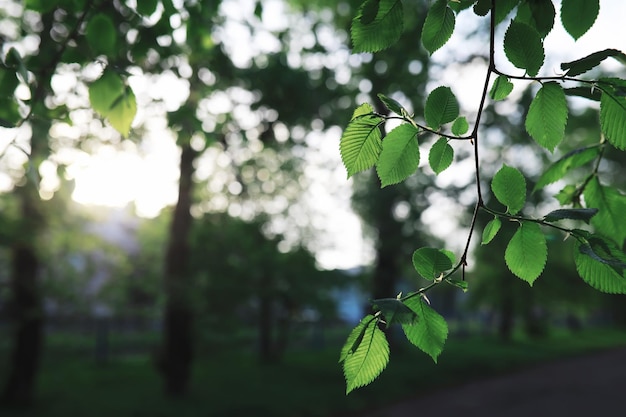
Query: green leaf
[[438, 26], [463, 285], [400, 156], [611, 205], [147, 7], [460, 126], [523, 47], [379, 33], [527, 252], [501, 88], [461, 5], [429, 332], [567, 195], [578, 16], [590, 93], [538, 14], [394, 311], [509, 187], [569, 161], [491, 230], [482, 7], [101, 35], [355, 337], [392, 105], [441, 107], [41, 6], [601, 265], [441, 155], [430, 263], [613, 111], [368, 360], [9, 109], [582, 65], [14, 60], [114, 101], [605, 252], [547, 116], [584, 214], [361, 142]]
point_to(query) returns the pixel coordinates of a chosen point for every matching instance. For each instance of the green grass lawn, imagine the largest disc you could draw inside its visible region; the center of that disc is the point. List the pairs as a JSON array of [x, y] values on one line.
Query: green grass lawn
[[305, 384]]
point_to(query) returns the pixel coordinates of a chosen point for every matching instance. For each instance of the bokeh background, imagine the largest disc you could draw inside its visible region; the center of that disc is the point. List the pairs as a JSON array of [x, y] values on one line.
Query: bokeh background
[[212, 262]]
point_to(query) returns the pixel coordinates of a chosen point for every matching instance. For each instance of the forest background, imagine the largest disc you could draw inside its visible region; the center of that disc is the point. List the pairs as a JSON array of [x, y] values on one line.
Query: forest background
[[175, 215]]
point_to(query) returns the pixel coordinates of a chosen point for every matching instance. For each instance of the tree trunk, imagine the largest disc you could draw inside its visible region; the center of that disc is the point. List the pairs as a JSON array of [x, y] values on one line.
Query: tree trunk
[[27, 337], [26, 305], [266, 318], [178, 321]]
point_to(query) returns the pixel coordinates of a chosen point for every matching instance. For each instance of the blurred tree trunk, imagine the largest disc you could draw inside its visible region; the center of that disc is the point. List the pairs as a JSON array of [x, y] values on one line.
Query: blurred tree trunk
[[26, 297], [26, 309], [266, 318], [178, 321], [25, 261]]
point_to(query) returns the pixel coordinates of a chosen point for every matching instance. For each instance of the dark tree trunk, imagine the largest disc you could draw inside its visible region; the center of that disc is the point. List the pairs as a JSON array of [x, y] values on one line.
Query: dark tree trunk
[[266, 318], [178, 321], [27, 337]]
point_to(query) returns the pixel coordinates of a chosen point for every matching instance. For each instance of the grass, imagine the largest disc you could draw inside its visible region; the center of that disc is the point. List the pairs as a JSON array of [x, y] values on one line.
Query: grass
[[305, 384]]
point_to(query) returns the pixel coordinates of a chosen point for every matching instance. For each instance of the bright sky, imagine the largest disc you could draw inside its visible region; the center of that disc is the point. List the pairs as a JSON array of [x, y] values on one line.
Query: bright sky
[[147, 174]]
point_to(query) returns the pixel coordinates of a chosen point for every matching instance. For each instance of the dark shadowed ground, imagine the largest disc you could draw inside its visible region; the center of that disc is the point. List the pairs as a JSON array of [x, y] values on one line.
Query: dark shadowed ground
[[580, 387]]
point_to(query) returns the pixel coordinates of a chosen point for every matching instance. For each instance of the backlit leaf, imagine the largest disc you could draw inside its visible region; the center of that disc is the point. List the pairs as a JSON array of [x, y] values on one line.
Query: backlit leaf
[[101, 35], [394, 311], [547, 116], [578, 16], [400, 155], [429, 332], [567, 195], [538, 14], [379, 33], [601, 265], [613, 111], [430, 263], [527, 252], [441, 107], [392, 105], [501, 88], [523, 47], [438, 26], [368, 360], [441, 155], [114, 101], [361, 142], [582, 65], [460, 126], [355, 337], [509, 187], [491, 230], [611, 205], [569, 161], [463, 285]]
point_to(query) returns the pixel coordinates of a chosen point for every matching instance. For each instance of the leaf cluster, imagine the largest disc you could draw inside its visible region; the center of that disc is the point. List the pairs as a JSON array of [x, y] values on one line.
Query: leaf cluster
[[599, 207]]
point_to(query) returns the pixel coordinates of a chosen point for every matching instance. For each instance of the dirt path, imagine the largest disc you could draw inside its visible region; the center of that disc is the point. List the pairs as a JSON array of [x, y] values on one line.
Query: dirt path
[[589, 386]]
